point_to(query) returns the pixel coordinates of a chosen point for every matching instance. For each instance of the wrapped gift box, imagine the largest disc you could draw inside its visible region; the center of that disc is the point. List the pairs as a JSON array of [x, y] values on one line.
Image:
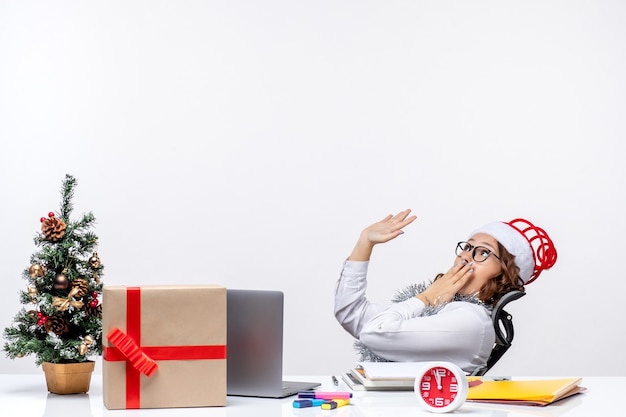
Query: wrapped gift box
[[164, 346]]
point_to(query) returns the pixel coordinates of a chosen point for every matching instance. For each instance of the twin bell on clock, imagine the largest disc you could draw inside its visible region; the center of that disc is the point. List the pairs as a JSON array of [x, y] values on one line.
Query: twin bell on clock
[[440, 387]]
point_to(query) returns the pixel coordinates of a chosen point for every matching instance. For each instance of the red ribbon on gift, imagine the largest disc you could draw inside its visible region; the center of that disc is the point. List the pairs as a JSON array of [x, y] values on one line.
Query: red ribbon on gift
[[141, 359]]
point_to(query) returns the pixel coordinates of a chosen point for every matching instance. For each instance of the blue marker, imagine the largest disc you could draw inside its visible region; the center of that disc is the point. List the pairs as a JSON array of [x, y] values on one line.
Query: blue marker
[[307, 403]]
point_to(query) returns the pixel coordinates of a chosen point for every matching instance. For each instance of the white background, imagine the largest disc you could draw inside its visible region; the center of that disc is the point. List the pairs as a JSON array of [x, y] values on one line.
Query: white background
[[247, 143]]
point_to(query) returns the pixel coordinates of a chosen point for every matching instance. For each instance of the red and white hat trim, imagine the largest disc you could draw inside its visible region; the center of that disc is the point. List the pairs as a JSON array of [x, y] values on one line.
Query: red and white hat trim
[[533, 249]]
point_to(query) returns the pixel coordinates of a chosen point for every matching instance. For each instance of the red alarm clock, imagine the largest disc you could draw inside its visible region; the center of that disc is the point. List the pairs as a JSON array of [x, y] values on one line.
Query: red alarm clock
[[440, 387]]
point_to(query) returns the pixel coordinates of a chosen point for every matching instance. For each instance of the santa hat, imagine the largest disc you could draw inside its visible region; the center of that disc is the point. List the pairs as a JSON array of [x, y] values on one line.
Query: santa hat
[[532, 247]]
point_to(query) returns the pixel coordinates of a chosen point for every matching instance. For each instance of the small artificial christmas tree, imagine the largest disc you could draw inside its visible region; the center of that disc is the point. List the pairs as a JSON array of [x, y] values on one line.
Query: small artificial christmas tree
[[62, 320]]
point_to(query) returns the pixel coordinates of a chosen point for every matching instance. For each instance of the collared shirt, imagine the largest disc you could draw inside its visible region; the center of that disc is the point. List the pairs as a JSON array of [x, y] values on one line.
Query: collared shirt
[[461, 332]]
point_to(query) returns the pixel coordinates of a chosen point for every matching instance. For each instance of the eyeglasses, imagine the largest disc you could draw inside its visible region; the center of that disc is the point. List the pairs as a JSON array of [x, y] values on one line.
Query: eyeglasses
[[479, 253]]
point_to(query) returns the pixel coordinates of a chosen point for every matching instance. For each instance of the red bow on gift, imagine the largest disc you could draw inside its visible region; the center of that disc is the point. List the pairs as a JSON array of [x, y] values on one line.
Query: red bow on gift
[[127, 347]]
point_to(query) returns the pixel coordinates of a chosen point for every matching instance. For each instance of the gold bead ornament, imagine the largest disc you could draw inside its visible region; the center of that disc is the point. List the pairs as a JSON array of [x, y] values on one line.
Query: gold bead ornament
[[32, 293], [36, 271], [84, 347], [94, 261]]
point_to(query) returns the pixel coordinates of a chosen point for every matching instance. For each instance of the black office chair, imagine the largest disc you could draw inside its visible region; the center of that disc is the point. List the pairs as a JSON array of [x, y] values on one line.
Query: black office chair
[[503, 326]]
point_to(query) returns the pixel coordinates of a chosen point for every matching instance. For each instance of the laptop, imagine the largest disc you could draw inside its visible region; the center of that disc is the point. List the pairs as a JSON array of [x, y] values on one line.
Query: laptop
[[254, 345]]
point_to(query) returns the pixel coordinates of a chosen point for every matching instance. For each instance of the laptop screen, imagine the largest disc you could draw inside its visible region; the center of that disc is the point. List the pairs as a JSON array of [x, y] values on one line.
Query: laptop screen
[[254, 342]]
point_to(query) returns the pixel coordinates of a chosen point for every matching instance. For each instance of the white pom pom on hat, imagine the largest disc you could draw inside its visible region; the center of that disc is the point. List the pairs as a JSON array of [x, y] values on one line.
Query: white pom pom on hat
[[532, 247]]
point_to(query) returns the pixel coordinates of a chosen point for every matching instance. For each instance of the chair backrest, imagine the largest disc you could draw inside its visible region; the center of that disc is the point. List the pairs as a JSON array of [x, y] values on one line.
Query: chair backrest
[[503, 326]]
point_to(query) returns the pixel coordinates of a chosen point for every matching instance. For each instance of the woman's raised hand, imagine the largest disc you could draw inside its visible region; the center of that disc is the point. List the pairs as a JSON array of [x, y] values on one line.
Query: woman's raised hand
[[388, 228], [380, 232]]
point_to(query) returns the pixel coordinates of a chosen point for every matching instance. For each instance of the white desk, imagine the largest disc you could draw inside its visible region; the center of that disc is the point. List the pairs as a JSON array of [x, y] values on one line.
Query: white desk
[[26, 396]]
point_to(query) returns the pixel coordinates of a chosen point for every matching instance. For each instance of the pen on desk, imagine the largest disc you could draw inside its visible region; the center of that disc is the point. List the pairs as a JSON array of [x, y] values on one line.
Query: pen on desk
[[335, 380], [495, 378], [328, 395]]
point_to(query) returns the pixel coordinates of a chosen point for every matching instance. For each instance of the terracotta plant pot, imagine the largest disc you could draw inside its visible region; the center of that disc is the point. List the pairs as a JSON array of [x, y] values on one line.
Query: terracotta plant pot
[[68, 378]]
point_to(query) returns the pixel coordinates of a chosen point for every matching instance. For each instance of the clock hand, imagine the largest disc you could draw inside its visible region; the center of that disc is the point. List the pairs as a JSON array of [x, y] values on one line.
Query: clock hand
[[438, 378]]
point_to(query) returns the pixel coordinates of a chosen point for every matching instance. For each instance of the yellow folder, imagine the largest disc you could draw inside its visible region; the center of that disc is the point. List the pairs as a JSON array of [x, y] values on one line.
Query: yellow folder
[[525, 392]]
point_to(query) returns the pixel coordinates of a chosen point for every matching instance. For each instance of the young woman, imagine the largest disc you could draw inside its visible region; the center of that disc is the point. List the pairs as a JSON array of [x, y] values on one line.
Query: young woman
[[450, 319]]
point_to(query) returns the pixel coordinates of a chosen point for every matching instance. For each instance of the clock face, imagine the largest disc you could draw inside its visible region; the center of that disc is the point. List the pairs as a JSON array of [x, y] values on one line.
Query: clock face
[[439, 387]]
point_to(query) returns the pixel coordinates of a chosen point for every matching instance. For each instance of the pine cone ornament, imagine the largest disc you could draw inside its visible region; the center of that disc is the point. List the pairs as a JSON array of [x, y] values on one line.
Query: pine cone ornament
[[53, 228], [93, 311], [57, 325], [80, 286]]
